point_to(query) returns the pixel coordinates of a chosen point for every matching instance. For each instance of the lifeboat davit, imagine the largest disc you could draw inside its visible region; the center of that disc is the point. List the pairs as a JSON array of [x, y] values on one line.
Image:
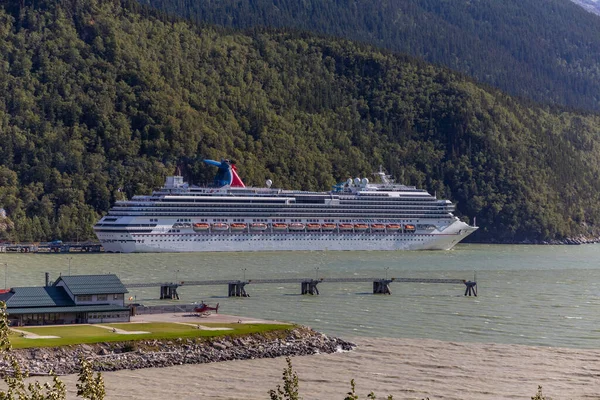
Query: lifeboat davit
[[220, 226], [296, 226], [361, 227], [278, 226], [313, 227], [328, 227], [393, 227], [259, 226], [346, 227], [198, 227], [378, 227], [238, 227]]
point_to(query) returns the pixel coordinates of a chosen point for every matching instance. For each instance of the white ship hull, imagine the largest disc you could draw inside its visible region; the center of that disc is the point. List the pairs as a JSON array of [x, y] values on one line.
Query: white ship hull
[[288, 241]]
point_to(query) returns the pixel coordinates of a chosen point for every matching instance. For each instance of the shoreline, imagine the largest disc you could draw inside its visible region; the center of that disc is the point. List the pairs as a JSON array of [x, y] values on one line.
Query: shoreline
[[404, 368], [226, 368], [130, 354], [578, 240]]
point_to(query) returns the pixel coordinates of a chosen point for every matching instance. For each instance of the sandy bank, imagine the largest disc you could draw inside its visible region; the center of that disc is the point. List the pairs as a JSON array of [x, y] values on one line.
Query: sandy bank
[[406, 368]]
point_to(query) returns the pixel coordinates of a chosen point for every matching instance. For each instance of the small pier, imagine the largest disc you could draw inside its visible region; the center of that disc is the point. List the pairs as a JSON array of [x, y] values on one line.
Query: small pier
[[52, 247], [237, 288]]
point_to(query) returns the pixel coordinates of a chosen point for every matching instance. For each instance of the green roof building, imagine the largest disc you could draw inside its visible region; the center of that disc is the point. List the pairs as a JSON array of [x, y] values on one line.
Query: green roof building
[[74, 299]]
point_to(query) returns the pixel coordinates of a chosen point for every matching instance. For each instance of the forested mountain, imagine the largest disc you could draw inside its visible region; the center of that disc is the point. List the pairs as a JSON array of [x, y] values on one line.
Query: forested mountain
[[590, 5], [548, 51], [99, 96]]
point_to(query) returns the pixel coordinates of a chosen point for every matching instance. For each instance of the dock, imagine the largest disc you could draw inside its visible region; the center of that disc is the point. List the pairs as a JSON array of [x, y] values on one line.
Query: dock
[[308, 286], [51, 247]]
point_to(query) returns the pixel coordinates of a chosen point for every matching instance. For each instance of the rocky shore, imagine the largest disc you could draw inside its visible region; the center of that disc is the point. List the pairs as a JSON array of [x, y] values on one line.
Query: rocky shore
[[116, 356], [568, 241]]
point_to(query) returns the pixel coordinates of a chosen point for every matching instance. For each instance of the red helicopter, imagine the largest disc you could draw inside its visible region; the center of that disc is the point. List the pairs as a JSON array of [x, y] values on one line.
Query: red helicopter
[[204, 309]]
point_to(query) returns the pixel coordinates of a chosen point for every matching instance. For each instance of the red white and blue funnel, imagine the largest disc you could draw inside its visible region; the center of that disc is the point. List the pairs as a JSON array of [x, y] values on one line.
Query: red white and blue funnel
[[227, 175]]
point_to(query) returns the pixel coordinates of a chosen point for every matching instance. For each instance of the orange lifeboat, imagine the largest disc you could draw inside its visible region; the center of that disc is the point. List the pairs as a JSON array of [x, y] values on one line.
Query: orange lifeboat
[[200, 226], [258, 226], [409, 228], [393, 227], [346, 227], [238, 227], [328, 227], [296, 226], [278, 226], [361, 227], [220, 226], [313, 227], [378, 227]]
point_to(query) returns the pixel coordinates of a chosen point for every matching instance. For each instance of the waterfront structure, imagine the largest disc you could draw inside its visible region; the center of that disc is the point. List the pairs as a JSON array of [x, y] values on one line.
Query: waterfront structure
[[228, 216], [70, 299]]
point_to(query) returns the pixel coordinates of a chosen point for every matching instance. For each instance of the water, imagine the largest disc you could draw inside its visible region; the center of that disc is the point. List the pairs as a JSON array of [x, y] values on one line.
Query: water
[[532, 295]]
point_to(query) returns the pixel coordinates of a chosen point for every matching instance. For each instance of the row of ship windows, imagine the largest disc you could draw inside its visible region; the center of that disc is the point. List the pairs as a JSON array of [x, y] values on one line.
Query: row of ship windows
[[278, 207], [315, 201], [237, 237], [295, 207], [284, 238], [325, 220], [385, 216], [360, 203], [293, 220]]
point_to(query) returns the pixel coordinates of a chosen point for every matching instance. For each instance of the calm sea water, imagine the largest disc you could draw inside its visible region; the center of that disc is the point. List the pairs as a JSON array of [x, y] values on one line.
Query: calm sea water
[[533, 295]]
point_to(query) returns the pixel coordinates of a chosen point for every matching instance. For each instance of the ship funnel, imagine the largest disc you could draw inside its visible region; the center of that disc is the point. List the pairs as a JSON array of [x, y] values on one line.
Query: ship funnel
[[269, 183]]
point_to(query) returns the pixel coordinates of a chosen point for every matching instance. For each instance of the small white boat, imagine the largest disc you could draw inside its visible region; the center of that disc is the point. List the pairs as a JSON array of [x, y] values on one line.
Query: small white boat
[[200, 227], [259, 226], [328, 227], [238, 226], [296, 226], [220, 226]]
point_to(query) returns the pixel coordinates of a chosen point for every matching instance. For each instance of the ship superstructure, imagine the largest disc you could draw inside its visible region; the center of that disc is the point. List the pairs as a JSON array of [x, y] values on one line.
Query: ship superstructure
[[355, 215]]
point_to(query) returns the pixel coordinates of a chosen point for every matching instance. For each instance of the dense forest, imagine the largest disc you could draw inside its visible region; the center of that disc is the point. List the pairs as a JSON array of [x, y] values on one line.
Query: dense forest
[[102, 99], [548, 51]]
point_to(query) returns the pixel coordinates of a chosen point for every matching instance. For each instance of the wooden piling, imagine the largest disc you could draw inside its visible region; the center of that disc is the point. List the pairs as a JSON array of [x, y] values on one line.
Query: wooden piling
[[236, 289], [382, 286], [309, 286], [471, 288], [169, 291]]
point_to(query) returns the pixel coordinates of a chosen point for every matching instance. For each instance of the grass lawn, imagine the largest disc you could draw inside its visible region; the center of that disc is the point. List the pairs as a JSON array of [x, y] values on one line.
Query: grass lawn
[[79, 334]]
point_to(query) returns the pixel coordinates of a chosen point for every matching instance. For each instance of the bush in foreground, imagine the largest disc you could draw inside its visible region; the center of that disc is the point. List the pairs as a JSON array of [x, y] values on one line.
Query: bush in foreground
[[291, 388], [89, 387]]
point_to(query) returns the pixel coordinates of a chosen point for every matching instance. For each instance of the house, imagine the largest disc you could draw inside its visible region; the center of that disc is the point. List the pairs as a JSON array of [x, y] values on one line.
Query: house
[[73, 299]]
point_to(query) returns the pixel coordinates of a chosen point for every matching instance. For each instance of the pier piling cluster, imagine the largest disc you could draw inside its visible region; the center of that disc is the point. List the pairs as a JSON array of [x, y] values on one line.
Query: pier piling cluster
[[307, 286]]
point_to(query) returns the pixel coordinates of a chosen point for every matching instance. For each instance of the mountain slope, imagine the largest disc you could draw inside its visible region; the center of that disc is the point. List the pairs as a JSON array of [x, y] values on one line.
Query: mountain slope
[[104, 96], [592, 6], [548, 51]]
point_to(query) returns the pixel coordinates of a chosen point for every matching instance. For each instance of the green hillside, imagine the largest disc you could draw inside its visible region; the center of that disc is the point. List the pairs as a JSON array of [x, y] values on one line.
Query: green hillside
[[99, 97], [548, 51]]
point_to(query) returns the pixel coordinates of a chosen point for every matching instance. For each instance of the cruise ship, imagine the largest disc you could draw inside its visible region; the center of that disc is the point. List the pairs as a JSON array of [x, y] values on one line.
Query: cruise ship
[[228, 216]]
